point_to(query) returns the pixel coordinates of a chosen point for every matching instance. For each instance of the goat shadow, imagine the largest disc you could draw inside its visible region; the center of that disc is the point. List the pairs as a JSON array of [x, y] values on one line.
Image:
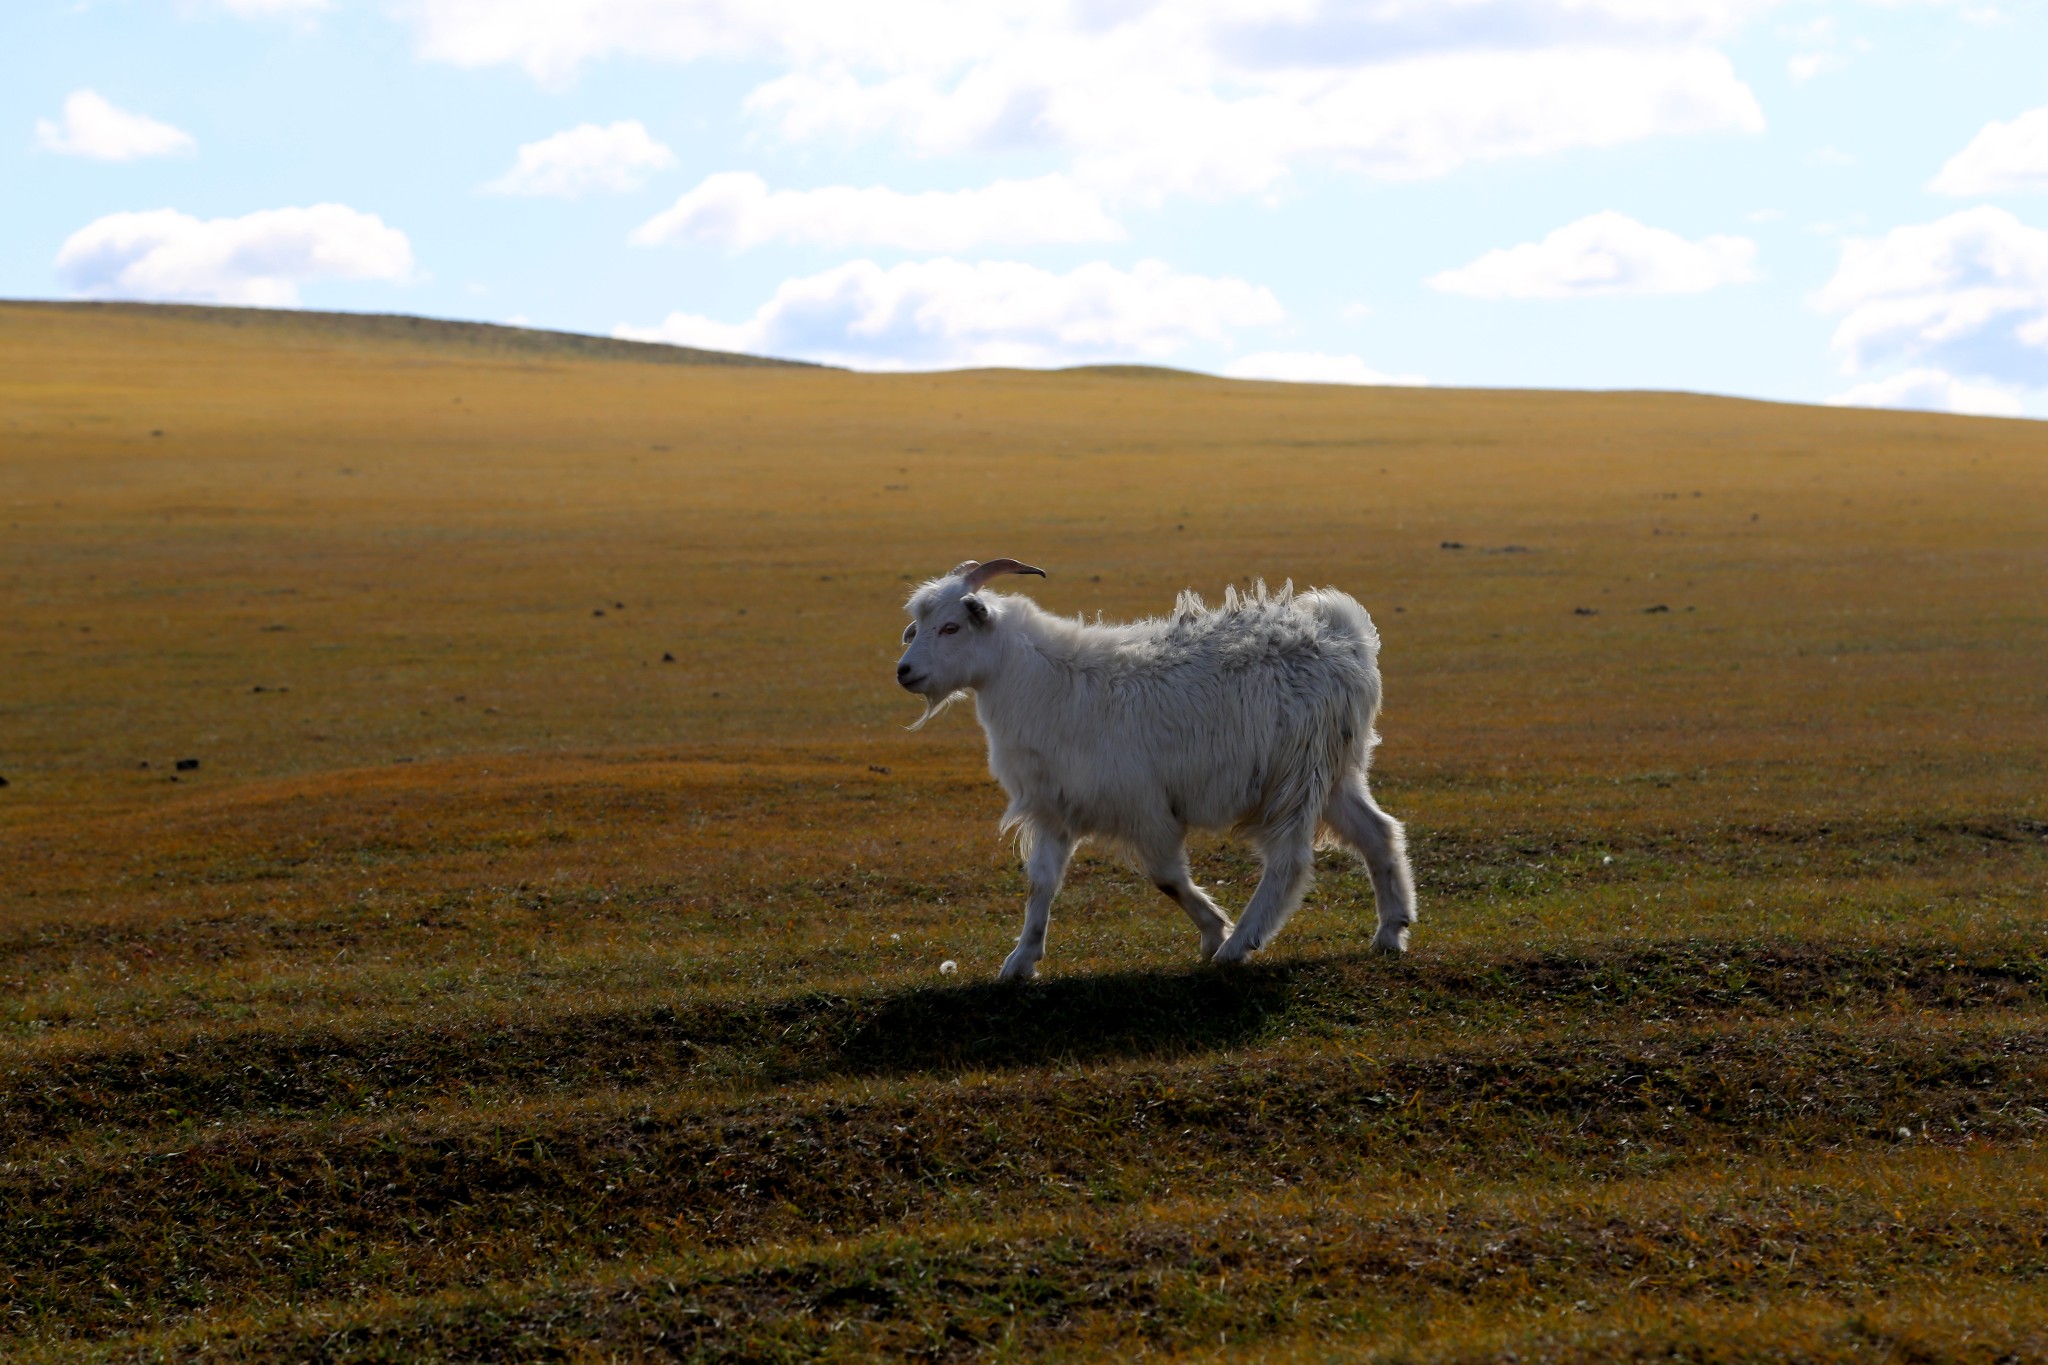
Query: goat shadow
[[1002, 1026], [993, 1026]]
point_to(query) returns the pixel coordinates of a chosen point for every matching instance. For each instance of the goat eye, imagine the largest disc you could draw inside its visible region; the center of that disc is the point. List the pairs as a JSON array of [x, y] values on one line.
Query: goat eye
[[909, 632], [950, 628]]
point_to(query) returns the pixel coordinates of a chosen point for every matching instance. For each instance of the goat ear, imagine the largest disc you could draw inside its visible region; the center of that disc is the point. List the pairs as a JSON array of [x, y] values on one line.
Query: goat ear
[[977, 610]]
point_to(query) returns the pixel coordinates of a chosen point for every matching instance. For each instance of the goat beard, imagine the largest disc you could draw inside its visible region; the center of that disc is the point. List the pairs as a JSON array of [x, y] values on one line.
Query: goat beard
[[933, 708]]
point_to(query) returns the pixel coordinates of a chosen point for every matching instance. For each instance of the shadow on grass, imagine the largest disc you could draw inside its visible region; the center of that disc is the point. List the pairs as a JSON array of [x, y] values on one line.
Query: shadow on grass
[[993, 1025], [325, 1071]]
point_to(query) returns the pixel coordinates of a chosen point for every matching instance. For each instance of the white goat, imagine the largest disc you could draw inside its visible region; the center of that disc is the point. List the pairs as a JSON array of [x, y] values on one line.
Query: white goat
[[1256, 717]]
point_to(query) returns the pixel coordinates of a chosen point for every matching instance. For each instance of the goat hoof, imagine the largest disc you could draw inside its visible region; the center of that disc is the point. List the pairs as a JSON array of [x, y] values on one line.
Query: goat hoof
[[1014, 970], [1232, 953], [1391, 939]]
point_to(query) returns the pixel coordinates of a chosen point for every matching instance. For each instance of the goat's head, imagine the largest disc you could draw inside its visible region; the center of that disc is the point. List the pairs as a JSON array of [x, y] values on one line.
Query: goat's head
[[951, 635]]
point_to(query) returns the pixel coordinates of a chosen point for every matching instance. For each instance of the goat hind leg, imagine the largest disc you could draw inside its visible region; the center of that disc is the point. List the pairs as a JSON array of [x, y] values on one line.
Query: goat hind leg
[[1045, 861], [1289, 859], [1383, 844]]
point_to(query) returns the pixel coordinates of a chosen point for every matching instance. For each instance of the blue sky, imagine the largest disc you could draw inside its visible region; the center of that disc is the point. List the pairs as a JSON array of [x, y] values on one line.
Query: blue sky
[[1818, 202]]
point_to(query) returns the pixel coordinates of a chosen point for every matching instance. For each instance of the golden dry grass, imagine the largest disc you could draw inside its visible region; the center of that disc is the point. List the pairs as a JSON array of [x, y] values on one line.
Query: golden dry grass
[[495, 988]]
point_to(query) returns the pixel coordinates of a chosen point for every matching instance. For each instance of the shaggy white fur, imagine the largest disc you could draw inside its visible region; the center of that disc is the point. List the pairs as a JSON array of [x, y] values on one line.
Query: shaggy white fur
[[1255, 716]]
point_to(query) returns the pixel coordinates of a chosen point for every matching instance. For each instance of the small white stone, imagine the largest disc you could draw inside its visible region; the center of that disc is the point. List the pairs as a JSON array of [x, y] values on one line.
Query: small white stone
[[1905, 1132], [948, 967], [895, 938]]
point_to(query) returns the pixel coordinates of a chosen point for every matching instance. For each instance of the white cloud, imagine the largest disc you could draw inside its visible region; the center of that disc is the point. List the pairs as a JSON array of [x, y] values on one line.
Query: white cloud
[[1312, 367], [941, 313], [738, 210], [1607, 253], [1933, 391], [1154, 97], [1135, 130], [260, 258], [1840, 226], [1967, 294], [555, 39], [1807, 65], [263, 9], [95, 127], [586, 159], [2004, 158], [1822, 41]]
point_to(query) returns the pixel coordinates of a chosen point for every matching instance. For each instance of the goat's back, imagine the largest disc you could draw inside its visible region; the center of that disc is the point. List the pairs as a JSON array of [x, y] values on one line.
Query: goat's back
[[1319, 637], [1245, 713]]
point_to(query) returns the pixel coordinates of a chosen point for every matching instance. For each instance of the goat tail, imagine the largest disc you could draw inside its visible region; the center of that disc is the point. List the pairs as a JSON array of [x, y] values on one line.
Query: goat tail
[[1343, 617], [1358, 704]]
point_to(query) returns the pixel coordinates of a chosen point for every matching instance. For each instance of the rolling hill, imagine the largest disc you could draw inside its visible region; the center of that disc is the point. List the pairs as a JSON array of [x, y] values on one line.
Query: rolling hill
[[465, 891]]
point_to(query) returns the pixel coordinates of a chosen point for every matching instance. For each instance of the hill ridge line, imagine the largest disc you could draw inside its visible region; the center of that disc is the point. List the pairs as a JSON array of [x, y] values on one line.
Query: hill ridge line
[[487, 336]]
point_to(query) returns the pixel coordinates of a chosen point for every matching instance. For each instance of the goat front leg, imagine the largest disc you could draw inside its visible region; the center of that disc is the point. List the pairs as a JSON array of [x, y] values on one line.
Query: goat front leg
[[1045, 861], [1168, 869]]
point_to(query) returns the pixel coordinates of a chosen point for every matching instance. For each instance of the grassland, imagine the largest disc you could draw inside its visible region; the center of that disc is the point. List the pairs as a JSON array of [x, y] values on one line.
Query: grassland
[[498, 987]]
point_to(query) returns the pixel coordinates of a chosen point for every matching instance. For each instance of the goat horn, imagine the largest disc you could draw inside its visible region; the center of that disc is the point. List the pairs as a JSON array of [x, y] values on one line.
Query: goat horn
[[978, 574]]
